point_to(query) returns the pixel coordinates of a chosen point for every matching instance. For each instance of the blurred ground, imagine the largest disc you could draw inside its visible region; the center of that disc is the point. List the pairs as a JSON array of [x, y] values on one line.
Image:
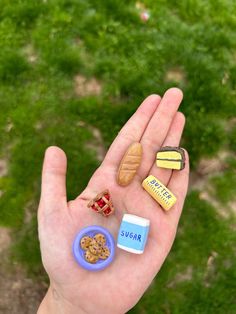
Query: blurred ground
[[18, 292]]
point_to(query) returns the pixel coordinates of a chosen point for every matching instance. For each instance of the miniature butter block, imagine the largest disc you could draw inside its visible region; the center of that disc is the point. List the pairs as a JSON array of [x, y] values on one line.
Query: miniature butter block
[[133, 233], [171, 158], [159, 192]]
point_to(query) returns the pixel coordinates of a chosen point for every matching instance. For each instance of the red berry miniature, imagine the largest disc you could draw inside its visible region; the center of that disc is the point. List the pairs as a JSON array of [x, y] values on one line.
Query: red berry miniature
[[102, 204]]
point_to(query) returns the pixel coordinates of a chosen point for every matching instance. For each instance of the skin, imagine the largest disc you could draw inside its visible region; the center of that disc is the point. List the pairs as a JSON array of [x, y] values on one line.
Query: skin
[[117, 288]]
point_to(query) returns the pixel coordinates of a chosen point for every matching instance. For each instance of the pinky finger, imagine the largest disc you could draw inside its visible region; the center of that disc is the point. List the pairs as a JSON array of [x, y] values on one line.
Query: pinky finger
[[178, 185]]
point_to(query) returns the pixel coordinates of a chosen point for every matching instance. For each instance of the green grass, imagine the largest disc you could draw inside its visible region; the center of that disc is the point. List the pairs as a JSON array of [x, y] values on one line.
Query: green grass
[[107, 40], [202, 234]]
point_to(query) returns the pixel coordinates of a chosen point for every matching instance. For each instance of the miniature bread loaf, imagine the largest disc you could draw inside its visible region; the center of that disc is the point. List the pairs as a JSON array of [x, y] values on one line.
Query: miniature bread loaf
[[159, 192], [129, 164], [171, 158]]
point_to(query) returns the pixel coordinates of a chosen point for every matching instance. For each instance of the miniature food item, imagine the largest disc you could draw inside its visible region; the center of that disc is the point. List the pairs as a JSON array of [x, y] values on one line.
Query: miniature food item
[[133, 233], [85, 242], [90, 258], [100, 238], [102, 203], [105, 253], [159, 192], [129, 164], [171, 158], [95, 248]]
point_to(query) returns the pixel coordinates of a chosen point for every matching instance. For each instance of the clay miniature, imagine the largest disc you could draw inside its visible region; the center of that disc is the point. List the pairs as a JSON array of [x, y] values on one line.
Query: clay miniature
[[170, 158], [95, 248], [133, 233], [105, 253], [90, 258], [85, 242], [102, 204], [129, 164], [100, 252], [159, 192], [100, 238]]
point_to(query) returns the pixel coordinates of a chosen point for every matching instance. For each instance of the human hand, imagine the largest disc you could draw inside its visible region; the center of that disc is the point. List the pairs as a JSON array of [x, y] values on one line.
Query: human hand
[[117, 288]]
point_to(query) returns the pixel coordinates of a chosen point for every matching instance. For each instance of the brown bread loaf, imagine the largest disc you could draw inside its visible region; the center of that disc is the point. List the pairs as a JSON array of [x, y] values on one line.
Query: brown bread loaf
[[129, 164]]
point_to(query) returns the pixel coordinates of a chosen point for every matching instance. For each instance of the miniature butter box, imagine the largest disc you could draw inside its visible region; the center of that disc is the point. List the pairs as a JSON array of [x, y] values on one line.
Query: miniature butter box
[[133, 233], [159, 192]]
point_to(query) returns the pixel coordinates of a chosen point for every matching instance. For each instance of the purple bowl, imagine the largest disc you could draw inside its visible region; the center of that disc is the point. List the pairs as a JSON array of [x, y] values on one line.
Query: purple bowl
[[78, 252]]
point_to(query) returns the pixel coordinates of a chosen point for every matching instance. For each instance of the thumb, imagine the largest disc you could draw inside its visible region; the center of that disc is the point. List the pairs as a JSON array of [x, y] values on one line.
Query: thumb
[[53, 188]]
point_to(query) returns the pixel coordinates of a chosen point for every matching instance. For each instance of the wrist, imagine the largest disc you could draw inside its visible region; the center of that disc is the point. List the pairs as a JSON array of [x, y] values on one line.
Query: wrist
[[53, 303]]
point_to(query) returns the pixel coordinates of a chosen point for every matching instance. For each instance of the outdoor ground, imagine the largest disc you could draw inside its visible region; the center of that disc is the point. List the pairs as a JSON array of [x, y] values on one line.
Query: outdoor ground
[[71, 74]]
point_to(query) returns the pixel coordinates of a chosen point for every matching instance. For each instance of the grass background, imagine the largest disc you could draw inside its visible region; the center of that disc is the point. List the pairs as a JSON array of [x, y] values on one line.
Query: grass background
[[189, 44]]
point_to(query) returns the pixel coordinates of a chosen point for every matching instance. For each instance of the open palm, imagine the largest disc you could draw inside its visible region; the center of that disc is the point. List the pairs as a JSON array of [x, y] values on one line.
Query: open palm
[[117, 288]]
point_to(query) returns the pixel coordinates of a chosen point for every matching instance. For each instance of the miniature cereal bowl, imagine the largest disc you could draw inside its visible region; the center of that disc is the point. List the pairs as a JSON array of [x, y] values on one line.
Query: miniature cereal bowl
[[79, 252]]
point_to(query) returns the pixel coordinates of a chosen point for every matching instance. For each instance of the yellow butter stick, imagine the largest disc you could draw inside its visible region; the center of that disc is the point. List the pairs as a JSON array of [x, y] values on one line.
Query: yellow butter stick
[[159, 192]]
